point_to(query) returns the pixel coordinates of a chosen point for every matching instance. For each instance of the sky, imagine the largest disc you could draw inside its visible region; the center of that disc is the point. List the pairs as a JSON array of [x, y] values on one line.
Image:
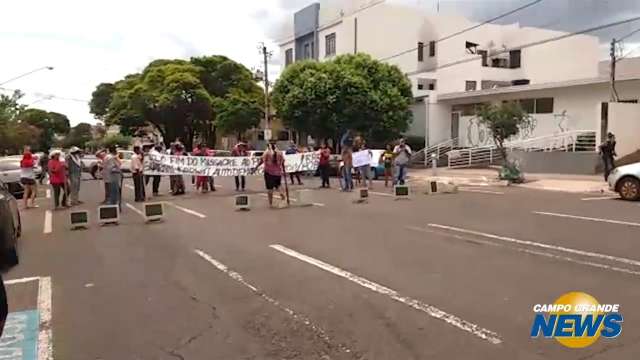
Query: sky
[[89, 42]]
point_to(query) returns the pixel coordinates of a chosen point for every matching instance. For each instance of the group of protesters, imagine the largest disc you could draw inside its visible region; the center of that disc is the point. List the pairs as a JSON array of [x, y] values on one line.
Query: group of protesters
[[65, 171]]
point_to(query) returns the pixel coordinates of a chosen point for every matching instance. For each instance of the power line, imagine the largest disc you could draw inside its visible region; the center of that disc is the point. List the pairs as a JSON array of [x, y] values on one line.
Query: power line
[[468, 29], [628, 35], [47, 96], [536, 43], [629, 53]]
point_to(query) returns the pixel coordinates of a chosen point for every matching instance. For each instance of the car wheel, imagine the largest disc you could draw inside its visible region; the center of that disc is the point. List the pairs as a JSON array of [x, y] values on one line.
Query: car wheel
[[629, 188]]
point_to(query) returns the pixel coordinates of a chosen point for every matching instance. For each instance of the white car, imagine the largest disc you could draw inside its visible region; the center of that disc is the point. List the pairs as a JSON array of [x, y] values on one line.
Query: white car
[[625, 180]]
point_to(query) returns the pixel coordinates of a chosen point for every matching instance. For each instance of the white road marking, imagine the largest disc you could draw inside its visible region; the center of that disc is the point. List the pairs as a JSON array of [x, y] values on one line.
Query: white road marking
[[48, 194], [617, 222], [540, 253], [600, 198], [188, 211], [130, 206], [541, 245], [381, 194], [21, 281], [319, 331], [48, 222], [45, 349], [430, 310], [471, 190]]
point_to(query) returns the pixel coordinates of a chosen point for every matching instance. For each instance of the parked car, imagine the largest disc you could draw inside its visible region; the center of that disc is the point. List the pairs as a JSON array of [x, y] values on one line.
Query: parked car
[[10, 224], [625, 180], [125, 156], [91, 165], [377, 168], [10, 175]]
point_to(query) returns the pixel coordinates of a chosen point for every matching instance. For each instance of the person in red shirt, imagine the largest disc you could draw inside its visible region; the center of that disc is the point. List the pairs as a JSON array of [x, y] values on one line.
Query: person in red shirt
[[325, 154], [57, 179]]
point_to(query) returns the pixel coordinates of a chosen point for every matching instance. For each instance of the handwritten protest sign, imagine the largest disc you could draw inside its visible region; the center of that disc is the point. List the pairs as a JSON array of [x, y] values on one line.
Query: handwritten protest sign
[[160, 164], [361, 158]]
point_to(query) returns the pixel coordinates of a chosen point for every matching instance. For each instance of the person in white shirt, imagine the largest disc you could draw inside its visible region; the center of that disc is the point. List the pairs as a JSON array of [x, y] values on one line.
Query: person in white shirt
[[402, 153], [136, 171]]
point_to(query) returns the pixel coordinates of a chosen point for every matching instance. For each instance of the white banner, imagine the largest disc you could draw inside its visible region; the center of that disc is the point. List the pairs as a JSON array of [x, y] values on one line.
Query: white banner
[[160, 164], [362, 158]]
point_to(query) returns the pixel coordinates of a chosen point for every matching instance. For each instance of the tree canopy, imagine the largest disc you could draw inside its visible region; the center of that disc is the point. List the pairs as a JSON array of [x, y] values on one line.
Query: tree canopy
[[350, 92], [21, 126], [50, 124], [177, 98], [79, 136]]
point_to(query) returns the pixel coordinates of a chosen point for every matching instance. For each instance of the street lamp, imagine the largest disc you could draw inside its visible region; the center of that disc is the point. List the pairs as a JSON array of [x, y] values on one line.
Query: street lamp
[[26, 74]]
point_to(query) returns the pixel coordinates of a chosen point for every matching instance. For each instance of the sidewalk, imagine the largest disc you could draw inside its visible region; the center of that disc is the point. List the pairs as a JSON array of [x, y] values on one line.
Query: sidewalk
[[489, 177]]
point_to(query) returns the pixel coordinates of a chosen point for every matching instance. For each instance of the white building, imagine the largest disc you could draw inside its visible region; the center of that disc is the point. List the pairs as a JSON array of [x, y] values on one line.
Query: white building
[[558, 78]]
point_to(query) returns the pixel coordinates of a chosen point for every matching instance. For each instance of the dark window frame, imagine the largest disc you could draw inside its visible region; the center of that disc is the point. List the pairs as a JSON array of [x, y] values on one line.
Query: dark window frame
[[330, 45], [470, 82], [288, 57], [432, 48], [420, 51]]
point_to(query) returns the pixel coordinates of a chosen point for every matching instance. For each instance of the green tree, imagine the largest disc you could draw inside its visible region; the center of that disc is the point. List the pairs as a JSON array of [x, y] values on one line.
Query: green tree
[[49, 124], [79, 136], [349, 92], [236, 113], [100, 100], [504, 121], [117, 140], [174, 96]]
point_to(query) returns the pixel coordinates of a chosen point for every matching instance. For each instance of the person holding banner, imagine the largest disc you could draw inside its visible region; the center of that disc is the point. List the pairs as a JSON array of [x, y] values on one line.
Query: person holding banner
[[273, 161], [240, 150], [136, 173], [325, 155], [362, 161], [177, 181], [293, 149]]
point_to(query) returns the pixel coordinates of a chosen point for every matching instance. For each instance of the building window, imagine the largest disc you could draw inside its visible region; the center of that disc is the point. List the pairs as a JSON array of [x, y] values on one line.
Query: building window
[[432, 86], [468, 109], [528, 105], [544, 106], [515, 59], [432, 48], [485, 57], [470, 85], [330, 45], [420, 87], [420, 51], [288, 57], [307, 51]]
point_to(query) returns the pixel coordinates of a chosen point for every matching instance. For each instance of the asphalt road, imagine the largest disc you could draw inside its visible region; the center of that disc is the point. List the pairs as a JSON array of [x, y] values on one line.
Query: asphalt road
[[433, 277]]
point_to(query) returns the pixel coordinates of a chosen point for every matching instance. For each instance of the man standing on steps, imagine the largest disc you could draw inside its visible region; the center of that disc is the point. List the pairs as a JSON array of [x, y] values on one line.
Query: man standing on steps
[[402, 153]]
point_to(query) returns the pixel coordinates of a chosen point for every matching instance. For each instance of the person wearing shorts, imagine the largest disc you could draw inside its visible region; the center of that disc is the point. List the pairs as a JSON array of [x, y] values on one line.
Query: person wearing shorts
[[28, 178], [273, 161]]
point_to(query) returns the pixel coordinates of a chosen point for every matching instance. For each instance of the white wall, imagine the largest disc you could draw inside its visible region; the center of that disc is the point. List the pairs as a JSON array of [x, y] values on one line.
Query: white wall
[[624, 123], [438, 122], [575, 108]]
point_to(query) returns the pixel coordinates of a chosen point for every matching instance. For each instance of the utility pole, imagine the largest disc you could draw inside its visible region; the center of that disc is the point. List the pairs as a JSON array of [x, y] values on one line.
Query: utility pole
[[266, 56], [614, 93]]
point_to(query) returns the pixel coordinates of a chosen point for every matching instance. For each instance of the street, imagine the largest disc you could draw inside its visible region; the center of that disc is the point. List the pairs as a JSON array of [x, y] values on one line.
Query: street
[[450, 276]]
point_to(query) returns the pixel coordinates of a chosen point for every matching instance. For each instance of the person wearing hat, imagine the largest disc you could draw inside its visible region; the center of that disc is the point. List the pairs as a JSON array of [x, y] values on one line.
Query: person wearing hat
[[74, 165], [57, 179]]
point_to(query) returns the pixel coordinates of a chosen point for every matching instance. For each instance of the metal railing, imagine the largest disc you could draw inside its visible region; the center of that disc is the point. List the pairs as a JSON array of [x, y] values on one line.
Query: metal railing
[[575, 140], [423, 156], [472, 157]]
